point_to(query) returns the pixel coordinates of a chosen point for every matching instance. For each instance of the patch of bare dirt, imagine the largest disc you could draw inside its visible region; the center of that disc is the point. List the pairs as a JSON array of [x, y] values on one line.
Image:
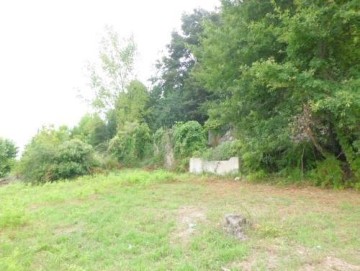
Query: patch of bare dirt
[[220, 188], [269, 259], [330, 264], [8, 180], [188, 218]]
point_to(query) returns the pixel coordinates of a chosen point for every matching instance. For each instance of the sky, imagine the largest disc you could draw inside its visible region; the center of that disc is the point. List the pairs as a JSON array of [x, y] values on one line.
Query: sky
[[45, 45]]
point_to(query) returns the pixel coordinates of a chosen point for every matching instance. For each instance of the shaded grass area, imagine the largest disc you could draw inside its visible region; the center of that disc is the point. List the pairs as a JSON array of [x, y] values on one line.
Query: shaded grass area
[[130, 220]]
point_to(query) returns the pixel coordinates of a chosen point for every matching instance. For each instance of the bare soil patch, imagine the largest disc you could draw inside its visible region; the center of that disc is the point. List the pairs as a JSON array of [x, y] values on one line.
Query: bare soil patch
[[330, 264], [188, 218]]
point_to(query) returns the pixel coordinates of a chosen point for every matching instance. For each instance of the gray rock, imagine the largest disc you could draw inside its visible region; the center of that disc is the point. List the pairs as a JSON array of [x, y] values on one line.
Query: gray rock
[[236, 225]]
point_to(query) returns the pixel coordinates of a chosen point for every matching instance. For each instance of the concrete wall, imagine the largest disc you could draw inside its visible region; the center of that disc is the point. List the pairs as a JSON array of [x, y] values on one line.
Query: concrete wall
[[198, 166]]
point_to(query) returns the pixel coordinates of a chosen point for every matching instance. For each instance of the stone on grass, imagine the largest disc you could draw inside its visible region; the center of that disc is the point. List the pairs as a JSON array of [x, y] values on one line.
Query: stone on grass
[[236, 226]]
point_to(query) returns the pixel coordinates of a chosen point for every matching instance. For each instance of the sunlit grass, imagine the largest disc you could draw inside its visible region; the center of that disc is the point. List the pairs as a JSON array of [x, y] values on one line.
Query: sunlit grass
[[134, 220]]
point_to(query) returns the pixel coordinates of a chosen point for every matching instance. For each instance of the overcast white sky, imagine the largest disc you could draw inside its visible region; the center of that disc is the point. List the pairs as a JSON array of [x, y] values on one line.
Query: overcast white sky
[[44, 45]]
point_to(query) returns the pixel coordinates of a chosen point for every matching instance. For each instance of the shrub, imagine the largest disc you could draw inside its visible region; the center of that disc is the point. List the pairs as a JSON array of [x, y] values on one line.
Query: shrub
[[328, 173], [223, 151], [131, 144], [73, 158], [51, 155], [159, 139], [188, 138], [7, 156]]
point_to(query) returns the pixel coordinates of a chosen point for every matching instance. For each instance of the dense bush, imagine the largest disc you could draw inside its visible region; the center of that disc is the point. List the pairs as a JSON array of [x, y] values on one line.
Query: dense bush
[[223, 151], [328, 173], [73, 158], [131, 144], [92, 130], [189, 138], [52, 155], [7, 156], [284, 81]]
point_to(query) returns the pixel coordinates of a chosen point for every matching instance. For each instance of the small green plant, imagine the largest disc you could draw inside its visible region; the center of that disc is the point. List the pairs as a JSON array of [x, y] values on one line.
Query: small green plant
[[257, 176], [160, 138], [268, 231], [328, 173], [12, 217], [223, 151]]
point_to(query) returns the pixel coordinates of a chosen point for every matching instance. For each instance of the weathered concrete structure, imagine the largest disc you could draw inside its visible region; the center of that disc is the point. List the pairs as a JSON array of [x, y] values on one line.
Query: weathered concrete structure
[[198, 166]]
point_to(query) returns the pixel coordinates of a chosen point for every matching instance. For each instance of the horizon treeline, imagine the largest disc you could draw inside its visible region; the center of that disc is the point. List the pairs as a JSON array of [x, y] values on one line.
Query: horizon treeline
[[282, 76]]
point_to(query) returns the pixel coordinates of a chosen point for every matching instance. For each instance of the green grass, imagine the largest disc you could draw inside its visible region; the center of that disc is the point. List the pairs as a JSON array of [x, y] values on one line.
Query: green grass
[[138, 220]]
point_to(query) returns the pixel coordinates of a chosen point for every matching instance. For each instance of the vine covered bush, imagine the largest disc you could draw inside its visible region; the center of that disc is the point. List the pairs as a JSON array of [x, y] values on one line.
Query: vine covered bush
[[189, 138], [131, 144]]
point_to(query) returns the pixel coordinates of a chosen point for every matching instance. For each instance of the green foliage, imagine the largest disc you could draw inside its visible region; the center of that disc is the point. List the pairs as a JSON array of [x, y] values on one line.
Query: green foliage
[[8, 152], [131, 144], [188, 138], [115, 72], [130, 105], [92, 130], [73, 158], [328, 173], [223, 151], [176, 95], [161, 138], [11, 217], [52, 155], [38, 158], [285, 75]]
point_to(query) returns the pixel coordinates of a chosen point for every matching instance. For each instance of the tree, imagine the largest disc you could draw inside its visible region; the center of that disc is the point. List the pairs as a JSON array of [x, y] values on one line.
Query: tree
[[286, 77], [176, 95], [8, 153], [115, 72], [92, 130], [130, 105]]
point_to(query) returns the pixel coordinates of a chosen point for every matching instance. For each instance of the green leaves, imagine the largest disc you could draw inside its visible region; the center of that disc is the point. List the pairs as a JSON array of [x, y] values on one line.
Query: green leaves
[[131, 144], [112, 76], [8, 152], [274, 65], [53, 155], [188, 138]]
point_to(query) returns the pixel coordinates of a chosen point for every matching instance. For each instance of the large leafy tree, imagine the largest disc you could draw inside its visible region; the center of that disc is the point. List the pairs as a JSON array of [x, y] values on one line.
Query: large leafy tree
[[92, 129], [8, 152], [117, 96], [130, 105], [176, 95], [111, 78], [286, 74]]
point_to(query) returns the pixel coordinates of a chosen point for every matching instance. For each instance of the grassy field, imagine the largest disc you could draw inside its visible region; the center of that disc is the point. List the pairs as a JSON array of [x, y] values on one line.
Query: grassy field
[[137, 220]]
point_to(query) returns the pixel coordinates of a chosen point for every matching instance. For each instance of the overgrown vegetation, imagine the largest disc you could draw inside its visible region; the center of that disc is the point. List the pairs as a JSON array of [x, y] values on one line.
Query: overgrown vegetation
[[53, 155], [8, 152], [288, 82], [282, 76], [131, 144]]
